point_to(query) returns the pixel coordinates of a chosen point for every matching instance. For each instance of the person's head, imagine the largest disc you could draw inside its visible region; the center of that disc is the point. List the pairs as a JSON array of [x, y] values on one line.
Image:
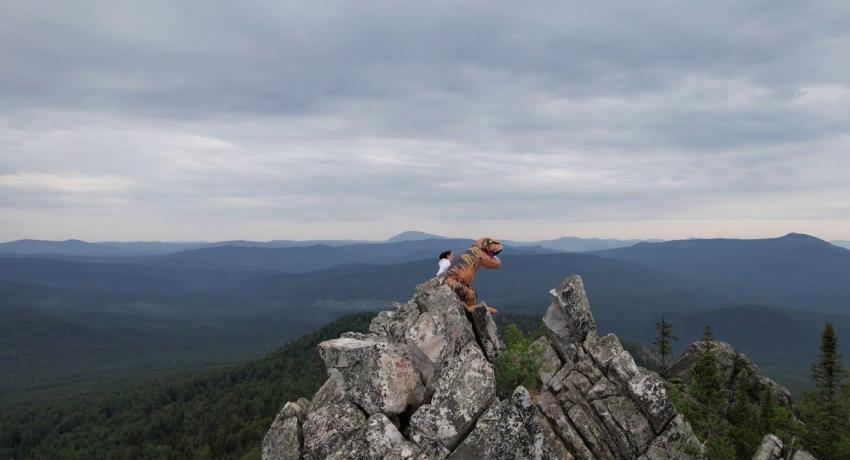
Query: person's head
[[446, 255]]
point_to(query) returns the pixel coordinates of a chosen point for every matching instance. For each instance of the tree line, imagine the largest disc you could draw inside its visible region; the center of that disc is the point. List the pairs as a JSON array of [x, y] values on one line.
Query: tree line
[[819, 423]]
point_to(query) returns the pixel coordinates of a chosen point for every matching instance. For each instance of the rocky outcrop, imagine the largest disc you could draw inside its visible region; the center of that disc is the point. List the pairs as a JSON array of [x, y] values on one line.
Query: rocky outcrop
[[284, 438], [771, 448], [507, 430], [421, 385], [373, 372], [599, 402], [731, 364]]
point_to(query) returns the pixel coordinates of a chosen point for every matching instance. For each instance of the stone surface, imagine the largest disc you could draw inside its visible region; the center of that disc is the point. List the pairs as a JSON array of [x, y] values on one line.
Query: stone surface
[[374, 441], [550, 362], [552, 438], [620, 413], [802, 455], [769, 449], [648, 391], [552, 409], [568, 319], [486, 332], [424, 377], [329, 393], [375, 374], [599, 402], [403, 451], [508, 430], [463, 392], [677, 442], [397, 322], [329, 427], [284, 439], [440, 332]]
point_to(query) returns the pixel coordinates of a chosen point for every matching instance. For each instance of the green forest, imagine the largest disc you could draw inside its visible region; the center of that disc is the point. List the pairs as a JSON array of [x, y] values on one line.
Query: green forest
[[225, 413], [222, 414]]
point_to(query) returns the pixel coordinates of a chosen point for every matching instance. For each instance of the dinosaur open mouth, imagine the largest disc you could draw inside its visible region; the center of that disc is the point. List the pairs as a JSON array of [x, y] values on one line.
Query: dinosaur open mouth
[[493, 253]]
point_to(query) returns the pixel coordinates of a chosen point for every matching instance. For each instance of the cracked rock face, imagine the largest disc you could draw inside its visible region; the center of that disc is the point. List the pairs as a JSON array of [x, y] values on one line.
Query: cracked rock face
[[421, 385], [373, 442], [329, 427], [464, 391], [507, 430], [600, 403], [374, 373]]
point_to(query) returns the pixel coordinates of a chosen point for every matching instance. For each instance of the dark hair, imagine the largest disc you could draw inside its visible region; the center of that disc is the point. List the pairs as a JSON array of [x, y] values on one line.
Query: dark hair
[[445, 254]]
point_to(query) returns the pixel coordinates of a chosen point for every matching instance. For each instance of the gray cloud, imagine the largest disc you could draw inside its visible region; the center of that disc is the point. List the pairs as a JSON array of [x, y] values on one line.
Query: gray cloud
[[347, 119]]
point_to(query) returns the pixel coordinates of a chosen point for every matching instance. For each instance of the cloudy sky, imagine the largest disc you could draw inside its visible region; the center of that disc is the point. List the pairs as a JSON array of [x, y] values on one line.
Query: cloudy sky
[[523, 120]]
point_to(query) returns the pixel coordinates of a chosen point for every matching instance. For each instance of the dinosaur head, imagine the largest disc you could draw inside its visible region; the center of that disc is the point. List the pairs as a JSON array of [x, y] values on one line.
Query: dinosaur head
[[490, 246]]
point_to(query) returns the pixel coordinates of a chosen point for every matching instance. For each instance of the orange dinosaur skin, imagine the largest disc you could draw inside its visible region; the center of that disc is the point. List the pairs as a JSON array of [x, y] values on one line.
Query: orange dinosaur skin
[[461, 273]]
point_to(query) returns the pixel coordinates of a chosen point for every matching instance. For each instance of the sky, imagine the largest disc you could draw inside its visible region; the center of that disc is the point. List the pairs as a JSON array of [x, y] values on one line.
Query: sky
[[198, 120]]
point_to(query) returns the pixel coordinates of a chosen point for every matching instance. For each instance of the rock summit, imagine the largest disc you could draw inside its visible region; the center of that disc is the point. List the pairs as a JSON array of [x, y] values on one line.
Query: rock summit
[[421, 385]]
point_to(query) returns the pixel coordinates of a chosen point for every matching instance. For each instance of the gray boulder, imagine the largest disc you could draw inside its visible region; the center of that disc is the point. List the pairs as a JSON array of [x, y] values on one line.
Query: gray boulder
[[284, 439], [373, 442], [440, 332], [394, 324], [550, 362], [329, 427], [568, 320], [802, 455], [375, 374], [508, 430], [769, 449], [463, 392], [329, 393], [677, 442], [647, 390], [486, 332]]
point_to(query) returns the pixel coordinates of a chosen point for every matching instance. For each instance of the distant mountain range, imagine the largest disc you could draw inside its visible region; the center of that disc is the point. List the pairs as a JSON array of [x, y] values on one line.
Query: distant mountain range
[[843, 243], [141, 248], [86, 313]]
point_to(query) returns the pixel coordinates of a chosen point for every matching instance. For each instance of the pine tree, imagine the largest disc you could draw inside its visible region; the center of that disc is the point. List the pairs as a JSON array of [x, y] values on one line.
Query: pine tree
[[665, 340], [707, 336], [707, 388], [768, 410], [826, 420], [822, 409], [745, 419]]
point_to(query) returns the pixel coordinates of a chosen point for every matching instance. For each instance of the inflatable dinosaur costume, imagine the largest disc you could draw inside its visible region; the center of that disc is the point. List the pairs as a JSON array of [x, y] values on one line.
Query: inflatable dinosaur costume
[[482, 253]]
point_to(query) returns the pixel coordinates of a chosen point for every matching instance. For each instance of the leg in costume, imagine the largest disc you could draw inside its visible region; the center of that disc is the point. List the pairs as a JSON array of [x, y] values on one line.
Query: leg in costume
[[465, 293]]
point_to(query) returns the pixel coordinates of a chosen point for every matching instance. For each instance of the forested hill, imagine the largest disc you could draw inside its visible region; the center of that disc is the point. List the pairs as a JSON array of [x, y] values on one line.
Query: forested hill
[[223, 414]]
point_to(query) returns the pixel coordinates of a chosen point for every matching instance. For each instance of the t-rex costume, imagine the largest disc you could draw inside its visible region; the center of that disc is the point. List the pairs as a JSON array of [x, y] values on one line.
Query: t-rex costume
[[482, 253]]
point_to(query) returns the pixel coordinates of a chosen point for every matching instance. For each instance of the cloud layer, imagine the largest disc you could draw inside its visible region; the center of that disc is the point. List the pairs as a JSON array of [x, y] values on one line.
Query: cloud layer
[[262, 120]]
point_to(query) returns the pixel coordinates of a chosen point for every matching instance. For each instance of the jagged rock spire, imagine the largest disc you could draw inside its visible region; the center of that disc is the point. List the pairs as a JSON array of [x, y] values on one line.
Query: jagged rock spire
[[421, 385]]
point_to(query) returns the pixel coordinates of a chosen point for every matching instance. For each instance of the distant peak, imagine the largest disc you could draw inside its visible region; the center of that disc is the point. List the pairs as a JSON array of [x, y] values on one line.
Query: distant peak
[[413, 235], [800, 237]]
